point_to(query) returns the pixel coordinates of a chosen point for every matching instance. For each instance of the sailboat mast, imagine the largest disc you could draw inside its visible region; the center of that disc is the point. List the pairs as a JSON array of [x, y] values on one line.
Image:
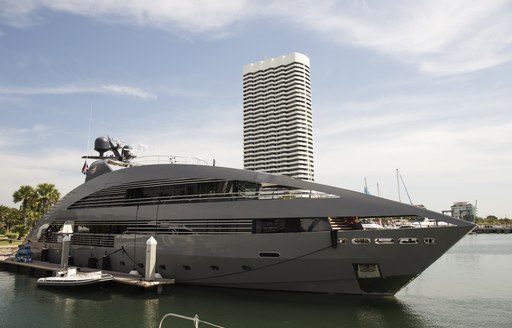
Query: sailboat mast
[[399, 177], [398, 185]]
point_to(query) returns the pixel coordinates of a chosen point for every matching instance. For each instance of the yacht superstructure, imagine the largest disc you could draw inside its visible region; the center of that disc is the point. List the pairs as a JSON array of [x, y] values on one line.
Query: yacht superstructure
[[227, 227]]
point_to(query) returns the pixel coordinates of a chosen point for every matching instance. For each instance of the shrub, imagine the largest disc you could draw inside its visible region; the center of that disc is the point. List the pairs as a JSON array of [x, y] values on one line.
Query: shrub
[[21, 229], [11, 236]]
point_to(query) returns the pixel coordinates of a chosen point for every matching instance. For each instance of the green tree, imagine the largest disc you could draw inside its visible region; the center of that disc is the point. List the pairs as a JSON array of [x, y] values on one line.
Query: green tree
[[3, 216], [32, 218], [47, 195], [27, 196], [21, 230], [9, 217]]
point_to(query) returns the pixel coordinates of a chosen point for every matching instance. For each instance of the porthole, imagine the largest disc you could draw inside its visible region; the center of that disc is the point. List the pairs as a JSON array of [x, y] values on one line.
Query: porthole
[[269, 254], [186, 267], [214, 268], [342, 241], [162, 267], [360, 241], [140, 265], [429, 241], [384, 241], [246, 268], [408, 241], [122, 263]]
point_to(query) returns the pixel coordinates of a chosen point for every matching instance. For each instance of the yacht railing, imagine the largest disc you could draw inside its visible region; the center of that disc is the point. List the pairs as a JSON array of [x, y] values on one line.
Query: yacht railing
[[195, 320], [276, 193], [120, 199], [167, 159]]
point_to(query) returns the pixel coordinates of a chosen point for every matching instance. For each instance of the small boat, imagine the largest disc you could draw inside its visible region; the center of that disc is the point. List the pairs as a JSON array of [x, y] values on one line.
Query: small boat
[[72, 278]]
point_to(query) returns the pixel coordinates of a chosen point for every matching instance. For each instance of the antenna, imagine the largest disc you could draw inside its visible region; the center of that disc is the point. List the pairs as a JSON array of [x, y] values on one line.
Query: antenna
[[87, 149]]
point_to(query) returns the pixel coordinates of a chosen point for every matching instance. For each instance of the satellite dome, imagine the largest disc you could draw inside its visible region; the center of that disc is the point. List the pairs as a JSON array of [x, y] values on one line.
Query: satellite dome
[[101, 145]]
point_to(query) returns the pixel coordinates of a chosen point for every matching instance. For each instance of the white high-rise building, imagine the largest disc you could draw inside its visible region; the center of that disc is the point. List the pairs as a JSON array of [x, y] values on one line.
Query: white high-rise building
[[278, 120]]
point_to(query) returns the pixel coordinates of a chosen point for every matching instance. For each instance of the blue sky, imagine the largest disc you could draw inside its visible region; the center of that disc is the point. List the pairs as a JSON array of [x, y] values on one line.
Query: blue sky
[[420, 86]]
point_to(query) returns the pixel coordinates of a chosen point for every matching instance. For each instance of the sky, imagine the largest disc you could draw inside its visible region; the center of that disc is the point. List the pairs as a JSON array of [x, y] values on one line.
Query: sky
[[421, 86]]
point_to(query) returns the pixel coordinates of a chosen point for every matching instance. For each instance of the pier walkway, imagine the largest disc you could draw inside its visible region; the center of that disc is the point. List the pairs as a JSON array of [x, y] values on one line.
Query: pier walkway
[[44, 269], [492, 229]]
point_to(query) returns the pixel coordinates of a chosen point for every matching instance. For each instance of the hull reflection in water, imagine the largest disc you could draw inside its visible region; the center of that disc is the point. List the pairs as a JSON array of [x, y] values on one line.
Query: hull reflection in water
[[128, 307]]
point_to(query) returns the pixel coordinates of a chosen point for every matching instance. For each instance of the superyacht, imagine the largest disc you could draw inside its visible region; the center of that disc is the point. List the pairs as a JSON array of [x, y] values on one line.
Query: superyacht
[[226, 227]]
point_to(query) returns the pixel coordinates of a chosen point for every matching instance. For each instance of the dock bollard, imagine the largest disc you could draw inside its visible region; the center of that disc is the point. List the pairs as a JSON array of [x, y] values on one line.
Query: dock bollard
[[150, 258], [64, 260]]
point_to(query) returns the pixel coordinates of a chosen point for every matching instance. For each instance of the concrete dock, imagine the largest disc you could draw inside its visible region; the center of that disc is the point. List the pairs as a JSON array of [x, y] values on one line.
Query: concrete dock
[[44, 269], [493, 229]]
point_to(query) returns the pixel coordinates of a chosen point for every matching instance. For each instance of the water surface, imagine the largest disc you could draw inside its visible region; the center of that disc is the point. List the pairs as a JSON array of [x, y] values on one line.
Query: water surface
[[470, 286]]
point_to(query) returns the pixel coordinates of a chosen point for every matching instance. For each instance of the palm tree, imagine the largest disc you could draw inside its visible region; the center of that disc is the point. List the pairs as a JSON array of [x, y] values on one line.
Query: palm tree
[[47, 196], [27, 196]]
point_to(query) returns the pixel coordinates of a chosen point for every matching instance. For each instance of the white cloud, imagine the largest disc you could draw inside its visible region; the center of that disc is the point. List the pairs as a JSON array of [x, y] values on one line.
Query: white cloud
[[20, 137], [194, 16], [18, 13], [215, 133], [449, 146], [49, 166], [128, 91], [114, 89], [439, 37]]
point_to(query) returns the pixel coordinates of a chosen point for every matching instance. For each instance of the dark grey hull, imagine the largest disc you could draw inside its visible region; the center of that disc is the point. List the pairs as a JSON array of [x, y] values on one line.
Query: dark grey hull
[[343, 261], [290, 262]]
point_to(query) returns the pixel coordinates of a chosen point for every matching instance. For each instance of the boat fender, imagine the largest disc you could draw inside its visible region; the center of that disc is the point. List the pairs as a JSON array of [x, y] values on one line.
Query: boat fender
[[45, 254], [105, 263], [92, 263], [334, 238]]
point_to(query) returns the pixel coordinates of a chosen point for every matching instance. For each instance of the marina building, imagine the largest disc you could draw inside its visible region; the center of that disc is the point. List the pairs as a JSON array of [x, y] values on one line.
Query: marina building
[[463, 210], [278, 120]]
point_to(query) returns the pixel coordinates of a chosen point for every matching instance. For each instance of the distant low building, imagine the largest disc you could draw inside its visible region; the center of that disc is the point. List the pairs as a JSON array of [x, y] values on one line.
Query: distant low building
[[464, 211]]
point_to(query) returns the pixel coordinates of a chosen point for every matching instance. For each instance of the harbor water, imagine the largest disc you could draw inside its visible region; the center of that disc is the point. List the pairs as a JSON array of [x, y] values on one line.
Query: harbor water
[[470, 286]]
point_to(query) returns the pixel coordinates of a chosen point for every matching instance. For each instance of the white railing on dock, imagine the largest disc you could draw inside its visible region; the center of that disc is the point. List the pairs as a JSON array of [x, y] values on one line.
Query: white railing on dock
[[195, 319]]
